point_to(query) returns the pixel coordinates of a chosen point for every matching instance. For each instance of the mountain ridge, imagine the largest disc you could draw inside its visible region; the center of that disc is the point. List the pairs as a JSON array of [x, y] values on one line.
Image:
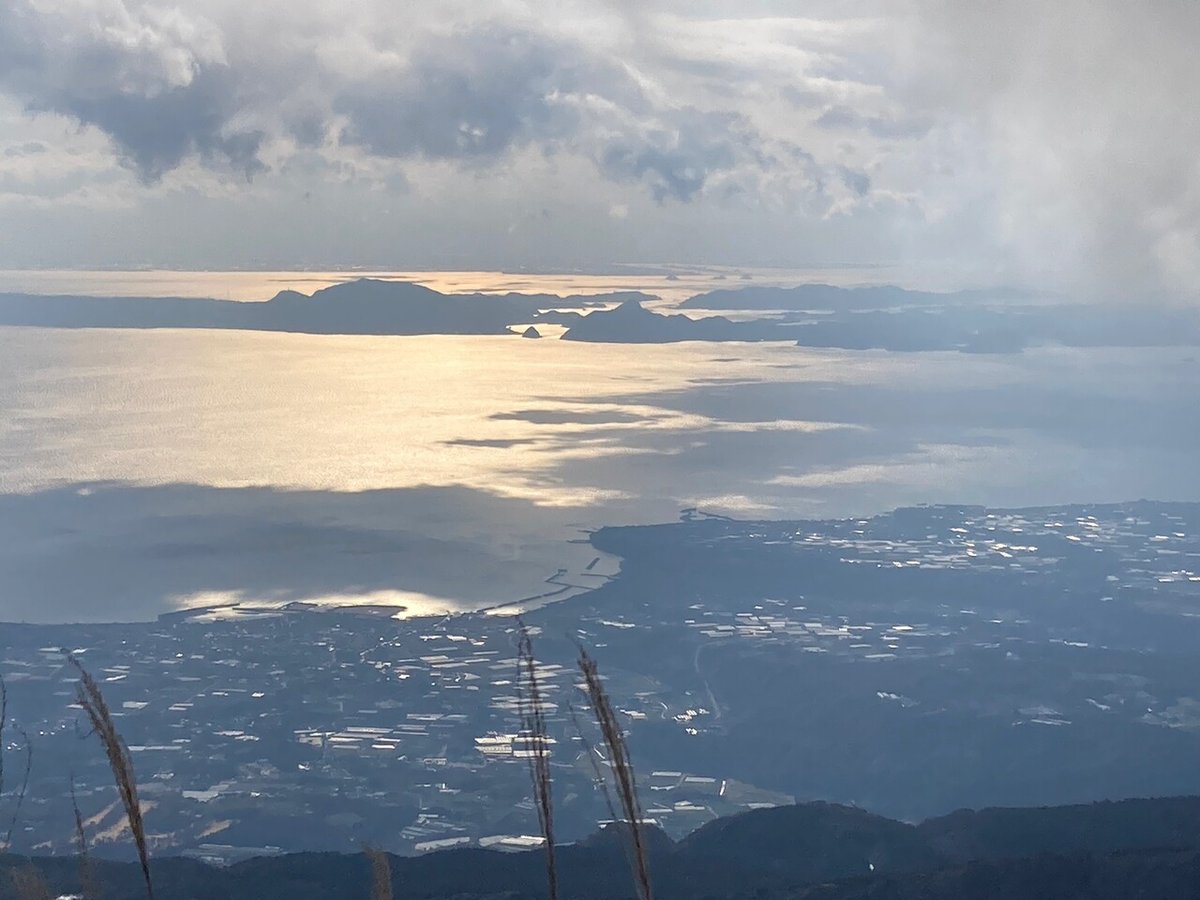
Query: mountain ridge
[[811, 850], [363, 306]]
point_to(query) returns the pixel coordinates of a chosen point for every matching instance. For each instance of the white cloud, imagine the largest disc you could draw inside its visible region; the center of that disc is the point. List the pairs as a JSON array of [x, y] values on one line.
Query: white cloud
[[1024, 142], [1084, 115]]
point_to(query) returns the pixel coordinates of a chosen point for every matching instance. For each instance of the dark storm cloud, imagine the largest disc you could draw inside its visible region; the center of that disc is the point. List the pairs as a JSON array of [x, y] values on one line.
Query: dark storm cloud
[[477, 94], [675, 162], [167, 88], [159, 101], [157, 133], [474, 95]]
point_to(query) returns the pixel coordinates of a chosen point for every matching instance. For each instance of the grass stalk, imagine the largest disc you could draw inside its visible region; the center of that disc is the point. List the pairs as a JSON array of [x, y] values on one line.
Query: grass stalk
[[3, 724], [89, 696], [87, 885], [622, 773], [20, 801], [29, 884], [532, 707], [381, 873]]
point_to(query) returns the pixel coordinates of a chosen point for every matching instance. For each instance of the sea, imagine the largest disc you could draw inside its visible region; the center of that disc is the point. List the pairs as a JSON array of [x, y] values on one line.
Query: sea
[[147, 471]]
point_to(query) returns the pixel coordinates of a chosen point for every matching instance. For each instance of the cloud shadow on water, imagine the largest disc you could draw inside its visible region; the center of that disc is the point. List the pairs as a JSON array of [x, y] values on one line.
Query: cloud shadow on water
[[1024, 435], [105, 552], [1024, 431]]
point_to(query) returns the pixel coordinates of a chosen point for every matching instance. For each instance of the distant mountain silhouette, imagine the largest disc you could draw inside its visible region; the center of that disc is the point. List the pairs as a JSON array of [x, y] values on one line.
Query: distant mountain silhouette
[[1145, 848], [370, 306], [631, 323], [365, 306], [814, 315], [886, 317], [831, 297]]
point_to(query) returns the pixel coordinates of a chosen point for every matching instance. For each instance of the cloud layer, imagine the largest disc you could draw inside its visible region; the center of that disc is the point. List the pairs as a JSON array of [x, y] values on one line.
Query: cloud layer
[[1085, 112], [1036, 143]]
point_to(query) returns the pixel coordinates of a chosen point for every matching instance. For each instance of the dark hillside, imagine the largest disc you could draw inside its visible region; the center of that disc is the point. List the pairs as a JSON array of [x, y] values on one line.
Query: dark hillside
[[1094, 828], [818, 851]]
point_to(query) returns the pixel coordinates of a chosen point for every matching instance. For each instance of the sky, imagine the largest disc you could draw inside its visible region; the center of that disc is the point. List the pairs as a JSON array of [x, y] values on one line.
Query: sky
[[1048, 145]]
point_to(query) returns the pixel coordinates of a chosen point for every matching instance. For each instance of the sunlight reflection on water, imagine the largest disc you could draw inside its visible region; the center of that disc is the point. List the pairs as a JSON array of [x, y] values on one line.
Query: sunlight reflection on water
[[347, 412], [500, 450]]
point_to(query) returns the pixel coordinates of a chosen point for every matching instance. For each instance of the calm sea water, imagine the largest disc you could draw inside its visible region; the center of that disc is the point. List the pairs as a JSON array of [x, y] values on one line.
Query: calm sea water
[[141, 471]]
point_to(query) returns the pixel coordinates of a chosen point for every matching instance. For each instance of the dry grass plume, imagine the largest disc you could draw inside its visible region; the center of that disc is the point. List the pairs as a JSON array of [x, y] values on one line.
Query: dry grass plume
[[87, 884], [91, 699], [20, 800], [28, 884], [381, 873], [622, 773], [532, 707]]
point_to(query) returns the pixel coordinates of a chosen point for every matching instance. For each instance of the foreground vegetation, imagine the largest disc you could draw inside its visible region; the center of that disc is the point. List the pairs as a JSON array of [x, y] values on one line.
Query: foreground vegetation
[[816, 851], [610, 760]]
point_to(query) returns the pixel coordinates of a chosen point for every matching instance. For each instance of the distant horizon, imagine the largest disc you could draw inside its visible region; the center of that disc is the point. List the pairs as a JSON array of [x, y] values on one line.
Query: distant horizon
[[670, 280]]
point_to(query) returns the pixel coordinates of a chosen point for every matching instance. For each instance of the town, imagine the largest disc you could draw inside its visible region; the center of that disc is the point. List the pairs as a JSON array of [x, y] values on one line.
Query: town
[[752, 663]]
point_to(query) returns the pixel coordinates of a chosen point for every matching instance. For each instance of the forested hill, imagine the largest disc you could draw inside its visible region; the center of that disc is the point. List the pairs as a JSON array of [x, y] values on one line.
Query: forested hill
[[815, 851]]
